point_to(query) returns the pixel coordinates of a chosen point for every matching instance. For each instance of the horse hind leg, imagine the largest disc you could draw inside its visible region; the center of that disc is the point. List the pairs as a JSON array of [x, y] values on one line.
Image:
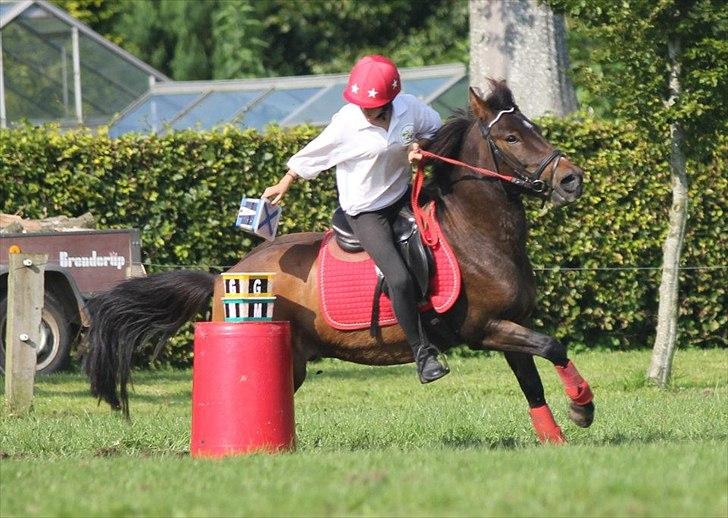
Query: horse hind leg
[[305, 348], [508, 336], [299, 367]]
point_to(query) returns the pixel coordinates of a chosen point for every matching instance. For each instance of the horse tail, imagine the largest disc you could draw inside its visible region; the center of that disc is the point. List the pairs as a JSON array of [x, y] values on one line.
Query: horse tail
[[137, 312]]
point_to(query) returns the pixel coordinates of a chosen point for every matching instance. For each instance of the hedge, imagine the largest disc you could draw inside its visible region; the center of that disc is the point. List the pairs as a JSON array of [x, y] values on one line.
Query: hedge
[[597, 260]]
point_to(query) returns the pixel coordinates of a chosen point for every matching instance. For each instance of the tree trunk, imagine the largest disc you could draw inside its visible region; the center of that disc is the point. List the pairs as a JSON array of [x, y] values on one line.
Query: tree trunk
[[524, 43], [667, 314]]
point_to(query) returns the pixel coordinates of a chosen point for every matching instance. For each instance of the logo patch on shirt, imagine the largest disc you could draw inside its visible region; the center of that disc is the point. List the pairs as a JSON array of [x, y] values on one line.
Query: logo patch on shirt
[[408, 134]]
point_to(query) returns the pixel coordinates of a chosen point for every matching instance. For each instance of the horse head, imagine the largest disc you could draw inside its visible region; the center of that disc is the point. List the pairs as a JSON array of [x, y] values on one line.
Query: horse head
[[518, 149]]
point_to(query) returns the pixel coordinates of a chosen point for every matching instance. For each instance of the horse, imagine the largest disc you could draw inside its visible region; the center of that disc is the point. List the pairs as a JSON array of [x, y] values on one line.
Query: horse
[[482, 217]]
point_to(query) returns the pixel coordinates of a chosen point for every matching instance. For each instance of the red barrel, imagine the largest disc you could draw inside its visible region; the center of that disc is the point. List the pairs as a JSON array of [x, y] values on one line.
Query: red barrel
[[242, 388]]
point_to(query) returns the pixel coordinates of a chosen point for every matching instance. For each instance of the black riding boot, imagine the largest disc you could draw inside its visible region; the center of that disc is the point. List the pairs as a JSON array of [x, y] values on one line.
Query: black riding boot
[[429, 367]]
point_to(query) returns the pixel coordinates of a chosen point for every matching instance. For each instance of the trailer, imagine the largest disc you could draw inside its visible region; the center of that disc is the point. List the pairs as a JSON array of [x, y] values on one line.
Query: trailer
[[80, 264]]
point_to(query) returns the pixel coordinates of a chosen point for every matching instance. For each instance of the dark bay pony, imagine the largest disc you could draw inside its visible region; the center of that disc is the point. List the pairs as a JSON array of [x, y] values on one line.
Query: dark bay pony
[[483, 219]]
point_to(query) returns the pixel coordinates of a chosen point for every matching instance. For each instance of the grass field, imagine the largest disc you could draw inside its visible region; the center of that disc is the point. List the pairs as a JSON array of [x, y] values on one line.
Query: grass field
[[373, 441]]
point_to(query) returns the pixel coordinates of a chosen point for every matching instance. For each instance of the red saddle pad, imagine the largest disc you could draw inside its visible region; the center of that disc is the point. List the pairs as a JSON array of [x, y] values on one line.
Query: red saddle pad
[[347, 283]]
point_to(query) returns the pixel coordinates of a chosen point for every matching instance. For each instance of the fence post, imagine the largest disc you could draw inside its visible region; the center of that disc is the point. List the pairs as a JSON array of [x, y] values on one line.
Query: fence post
[[22, 337]]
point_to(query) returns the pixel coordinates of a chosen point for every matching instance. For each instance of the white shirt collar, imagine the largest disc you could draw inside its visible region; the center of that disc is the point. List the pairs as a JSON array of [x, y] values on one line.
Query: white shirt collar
[[398, 108]]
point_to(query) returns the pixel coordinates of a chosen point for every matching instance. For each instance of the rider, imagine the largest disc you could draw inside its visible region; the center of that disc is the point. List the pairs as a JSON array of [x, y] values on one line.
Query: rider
[[372, 141]]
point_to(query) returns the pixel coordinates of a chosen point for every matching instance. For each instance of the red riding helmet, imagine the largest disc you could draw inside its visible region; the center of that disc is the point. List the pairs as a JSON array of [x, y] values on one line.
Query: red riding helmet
[[373, 82]]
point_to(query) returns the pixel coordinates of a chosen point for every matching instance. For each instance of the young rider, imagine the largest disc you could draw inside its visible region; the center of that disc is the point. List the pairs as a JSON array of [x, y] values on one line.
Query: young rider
[[372, 141]]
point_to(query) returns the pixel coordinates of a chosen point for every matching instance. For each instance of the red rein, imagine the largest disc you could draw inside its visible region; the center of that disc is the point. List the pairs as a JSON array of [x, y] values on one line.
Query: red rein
[[424, 217], [479, 170]]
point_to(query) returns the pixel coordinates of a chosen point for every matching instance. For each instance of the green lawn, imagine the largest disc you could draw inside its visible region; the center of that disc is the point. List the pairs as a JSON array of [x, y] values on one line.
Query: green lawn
[[373, 441]]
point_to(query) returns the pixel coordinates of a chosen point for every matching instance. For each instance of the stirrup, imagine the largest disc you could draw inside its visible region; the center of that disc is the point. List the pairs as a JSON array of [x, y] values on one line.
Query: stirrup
[[428, 358]]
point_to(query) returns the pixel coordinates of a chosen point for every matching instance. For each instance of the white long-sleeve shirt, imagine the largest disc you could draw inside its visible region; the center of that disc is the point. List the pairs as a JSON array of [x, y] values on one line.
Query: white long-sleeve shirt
[[372, 170]]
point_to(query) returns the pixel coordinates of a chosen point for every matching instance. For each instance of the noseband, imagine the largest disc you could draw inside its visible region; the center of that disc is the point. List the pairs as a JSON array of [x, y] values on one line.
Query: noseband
[[531, 180]]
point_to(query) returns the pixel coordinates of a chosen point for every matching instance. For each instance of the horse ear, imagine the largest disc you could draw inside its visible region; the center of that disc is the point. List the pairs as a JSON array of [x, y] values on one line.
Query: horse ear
[[478, 106]]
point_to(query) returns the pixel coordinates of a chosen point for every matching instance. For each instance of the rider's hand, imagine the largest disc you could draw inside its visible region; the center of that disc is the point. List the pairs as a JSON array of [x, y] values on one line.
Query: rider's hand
[[414, 155], [275, 192]]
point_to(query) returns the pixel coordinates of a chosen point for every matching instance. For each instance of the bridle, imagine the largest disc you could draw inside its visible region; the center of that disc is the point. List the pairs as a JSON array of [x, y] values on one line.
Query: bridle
[[531, 180], [522, 177]]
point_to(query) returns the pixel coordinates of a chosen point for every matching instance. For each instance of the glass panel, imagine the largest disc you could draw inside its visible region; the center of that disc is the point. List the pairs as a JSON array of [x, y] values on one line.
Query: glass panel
[[38, 61], [42, 22], [6, 6], [38, 71], [453, 98], [275, 107], [425, 87], [322, 109], [216, 108], [108, 82], [151, 115]]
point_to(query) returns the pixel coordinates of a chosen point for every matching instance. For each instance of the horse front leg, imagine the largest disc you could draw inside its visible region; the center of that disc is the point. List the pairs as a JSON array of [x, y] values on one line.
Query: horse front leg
[[506, 336], [529, 380]]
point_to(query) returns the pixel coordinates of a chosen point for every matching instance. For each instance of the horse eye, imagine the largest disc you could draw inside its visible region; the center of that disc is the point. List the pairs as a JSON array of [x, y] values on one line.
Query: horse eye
[[511, 139]]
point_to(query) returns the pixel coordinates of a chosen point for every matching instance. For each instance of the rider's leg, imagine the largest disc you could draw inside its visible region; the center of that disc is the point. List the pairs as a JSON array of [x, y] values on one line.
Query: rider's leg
[[374, 230]]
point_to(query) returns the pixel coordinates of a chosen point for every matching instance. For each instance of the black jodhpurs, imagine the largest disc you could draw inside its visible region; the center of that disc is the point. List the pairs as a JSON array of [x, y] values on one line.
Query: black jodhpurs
[[374, 230]]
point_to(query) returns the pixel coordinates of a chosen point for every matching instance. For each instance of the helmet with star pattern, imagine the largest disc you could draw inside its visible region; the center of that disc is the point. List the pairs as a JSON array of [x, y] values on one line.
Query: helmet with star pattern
[[373, 82]]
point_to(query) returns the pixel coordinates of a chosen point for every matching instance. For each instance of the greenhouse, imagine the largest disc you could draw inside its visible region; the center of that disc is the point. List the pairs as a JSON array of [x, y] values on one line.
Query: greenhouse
[[287, 101], [55, 68]]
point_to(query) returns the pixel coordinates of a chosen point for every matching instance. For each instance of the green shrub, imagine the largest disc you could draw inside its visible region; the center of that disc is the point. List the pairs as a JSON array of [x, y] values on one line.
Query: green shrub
[[182, 191], [620, 223]]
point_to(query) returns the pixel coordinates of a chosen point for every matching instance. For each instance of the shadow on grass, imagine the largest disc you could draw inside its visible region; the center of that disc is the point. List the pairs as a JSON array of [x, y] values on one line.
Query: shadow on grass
[[516, 443], [119, 451], [500, 443], [362, 374], [148, 375], [364, 444], [655, 437], [40, 391], [181, 395]]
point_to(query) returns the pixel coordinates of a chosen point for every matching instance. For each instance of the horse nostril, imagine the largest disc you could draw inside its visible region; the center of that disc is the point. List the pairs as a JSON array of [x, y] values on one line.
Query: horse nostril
[[570, 182]]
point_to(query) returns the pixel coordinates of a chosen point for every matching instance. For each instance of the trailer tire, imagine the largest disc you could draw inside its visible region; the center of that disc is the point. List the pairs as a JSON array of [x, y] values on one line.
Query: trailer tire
[[54, 352]]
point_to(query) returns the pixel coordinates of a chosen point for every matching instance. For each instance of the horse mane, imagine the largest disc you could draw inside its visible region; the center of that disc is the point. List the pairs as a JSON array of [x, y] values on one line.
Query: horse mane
[[448, 141]]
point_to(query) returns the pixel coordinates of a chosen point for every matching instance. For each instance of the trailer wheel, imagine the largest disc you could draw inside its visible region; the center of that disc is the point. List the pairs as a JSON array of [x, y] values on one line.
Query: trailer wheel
[[54, 351]]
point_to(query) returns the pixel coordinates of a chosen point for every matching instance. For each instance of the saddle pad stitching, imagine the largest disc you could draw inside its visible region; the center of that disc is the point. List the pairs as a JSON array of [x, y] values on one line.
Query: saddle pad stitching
[[444, 305], [323, 252], [454, 267]]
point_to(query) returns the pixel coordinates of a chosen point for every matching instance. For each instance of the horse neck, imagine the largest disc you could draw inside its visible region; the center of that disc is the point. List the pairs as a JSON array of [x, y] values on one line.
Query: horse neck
[[474, 209]]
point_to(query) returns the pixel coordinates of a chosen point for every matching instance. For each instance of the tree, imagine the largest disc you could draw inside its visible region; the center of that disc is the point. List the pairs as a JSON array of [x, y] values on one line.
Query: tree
[[100, 15], [524, 43], [225, 39], [672, 57], [239, 46], [174, 37]]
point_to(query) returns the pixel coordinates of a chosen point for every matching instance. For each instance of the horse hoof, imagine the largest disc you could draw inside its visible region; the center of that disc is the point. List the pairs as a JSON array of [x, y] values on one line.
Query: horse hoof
[[582, 415]]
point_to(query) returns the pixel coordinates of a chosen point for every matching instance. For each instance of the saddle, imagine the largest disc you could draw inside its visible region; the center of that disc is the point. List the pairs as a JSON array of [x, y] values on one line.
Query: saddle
[[417, 257]]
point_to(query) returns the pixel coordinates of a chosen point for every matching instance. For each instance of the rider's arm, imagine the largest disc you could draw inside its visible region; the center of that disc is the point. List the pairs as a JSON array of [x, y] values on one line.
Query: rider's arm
[[427, 122], [318, 155], [275, 192]]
